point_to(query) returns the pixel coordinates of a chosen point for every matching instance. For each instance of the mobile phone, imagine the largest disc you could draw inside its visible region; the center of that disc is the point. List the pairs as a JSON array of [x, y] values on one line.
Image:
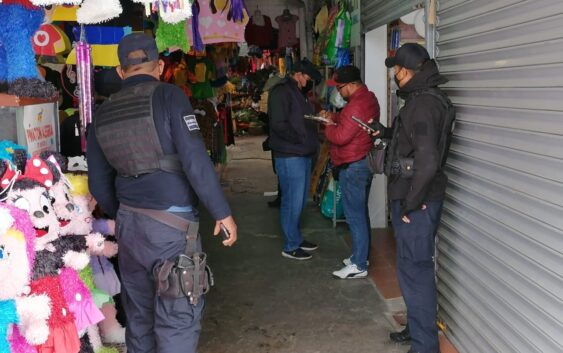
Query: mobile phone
[[224, 232], [364, 125]]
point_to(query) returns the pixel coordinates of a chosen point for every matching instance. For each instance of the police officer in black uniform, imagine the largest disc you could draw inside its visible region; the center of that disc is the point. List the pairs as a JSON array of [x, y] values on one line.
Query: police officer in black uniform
[[145, 152], [417, 153]]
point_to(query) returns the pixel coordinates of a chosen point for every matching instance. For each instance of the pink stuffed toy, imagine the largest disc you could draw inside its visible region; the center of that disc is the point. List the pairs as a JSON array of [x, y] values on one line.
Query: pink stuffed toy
[[29, 312], [111, 330], [29, 191]]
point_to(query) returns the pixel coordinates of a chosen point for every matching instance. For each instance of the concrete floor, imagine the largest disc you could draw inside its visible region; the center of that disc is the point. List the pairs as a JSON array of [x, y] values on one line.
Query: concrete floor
[[264, 303]]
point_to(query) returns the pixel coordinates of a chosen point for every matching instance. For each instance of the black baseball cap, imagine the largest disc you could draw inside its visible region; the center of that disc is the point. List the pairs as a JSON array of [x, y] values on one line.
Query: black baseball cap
[[306, 66], [133, 42], [409, 55], [345, 74]]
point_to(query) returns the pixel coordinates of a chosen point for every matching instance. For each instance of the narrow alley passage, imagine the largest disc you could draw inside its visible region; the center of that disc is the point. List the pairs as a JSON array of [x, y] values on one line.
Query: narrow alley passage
[[264, 303]]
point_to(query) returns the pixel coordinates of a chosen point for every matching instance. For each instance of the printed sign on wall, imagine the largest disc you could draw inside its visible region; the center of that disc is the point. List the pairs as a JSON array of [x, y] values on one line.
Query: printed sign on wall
[[39, 127]]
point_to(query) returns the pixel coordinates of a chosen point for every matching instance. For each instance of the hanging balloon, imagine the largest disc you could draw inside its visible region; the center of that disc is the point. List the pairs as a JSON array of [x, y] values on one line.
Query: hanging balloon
[[98, 11]]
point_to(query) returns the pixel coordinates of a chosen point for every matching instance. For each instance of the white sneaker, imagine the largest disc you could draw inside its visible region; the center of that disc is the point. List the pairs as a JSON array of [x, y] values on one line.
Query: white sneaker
[[349, 272], [348, 261]]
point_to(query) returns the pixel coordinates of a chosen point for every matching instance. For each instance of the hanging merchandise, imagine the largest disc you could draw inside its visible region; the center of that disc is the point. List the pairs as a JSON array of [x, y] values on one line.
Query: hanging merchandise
[[18, 67], [64, 13], [96, 11], [84, 68], [171, 36], [340, 35], [50, 40], [259, 30], [193, 25], [342, 58], [171, 11], [203, 71], [55, 2], [287, 29], [322, 41], [321, 20], [218, 27]]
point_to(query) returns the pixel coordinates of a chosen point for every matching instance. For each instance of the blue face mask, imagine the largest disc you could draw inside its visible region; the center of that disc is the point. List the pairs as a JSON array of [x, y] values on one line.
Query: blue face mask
[[337, 100]]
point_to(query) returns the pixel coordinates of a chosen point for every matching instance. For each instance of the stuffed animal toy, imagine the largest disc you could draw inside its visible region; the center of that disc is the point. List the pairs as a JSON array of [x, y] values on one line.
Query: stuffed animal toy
[[18, 68], [104, 281], [30, 193], [29, 312], [77, 164], [74, 224]]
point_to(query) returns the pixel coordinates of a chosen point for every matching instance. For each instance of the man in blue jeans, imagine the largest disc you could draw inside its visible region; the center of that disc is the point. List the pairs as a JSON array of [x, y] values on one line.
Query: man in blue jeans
[[349, 147], [294, 142]]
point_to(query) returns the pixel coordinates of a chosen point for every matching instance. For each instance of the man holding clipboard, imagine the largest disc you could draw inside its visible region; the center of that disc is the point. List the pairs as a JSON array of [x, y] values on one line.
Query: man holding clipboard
[[349, 147]]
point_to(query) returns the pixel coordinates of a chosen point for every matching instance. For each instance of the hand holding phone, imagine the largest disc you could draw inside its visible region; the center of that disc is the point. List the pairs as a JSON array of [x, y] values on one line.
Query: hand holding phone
[[373, 129], [224, 232]]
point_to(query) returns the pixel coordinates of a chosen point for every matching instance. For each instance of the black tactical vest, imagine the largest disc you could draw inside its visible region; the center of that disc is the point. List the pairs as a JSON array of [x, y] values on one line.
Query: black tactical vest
[[127, 134]]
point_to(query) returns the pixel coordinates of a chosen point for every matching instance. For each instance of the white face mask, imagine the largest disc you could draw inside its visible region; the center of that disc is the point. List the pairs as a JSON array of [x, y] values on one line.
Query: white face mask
[[337, 100]]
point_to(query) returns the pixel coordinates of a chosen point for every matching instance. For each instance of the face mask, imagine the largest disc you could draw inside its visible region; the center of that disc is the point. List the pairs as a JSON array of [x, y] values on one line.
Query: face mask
[[337, 100], [307, 87]]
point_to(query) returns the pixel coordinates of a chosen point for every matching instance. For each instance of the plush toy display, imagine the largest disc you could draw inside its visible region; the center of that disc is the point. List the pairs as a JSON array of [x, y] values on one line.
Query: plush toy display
[[30, 193], [103, 283], [18, 68], [29, 312]]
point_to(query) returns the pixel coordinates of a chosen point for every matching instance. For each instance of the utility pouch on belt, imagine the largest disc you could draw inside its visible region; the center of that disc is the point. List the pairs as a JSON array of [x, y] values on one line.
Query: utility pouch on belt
[[188, 274]]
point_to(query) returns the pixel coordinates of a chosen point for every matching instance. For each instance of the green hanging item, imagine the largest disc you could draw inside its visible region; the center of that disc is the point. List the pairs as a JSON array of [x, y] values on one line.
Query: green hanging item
[[170, 35], [340, 35]]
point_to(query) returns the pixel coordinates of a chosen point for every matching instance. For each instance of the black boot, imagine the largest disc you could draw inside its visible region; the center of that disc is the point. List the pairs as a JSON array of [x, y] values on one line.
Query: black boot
[[402, 336]]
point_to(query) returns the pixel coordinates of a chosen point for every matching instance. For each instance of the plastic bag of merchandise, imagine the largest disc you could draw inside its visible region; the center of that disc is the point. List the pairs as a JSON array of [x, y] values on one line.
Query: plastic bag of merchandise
[[327, 204]]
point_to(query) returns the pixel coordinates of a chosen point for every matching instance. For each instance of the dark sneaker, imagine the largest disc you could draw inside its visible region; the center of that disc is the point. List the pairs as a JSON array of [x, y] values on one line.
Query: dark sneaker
[[297, 254], [401, 337], [308, 246]]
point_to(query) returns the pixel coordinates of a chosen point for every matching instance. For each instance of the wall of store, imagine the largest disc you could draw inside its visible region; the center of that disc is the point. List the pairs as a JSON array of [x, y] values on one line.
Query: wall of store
[[376, 79]]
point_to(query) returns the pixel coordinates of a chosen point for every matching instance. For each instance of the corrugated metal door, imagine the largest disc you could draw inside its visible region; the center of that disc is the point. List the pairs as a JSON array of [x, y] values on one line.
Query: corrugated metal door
[[376, 13], [500, 249]]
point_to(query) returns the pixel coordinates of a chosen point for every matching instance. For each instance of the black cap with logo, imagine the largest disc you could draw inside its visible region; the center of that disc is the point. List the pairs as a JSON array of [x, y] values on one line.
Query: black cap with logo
[[133, 42], [409, 55]]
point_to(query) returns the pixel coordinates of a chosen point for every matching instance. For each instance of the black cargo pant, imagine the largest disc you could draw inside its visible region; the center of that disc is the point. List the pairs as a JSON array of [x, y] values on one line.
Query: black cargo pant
[[154, 324]]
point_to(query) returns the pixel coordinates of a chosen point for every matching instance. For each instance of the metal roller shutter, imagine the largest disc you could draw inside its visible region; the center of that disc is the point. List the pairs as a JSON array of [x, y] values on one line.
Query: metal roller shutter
[[376, 13], [500, 245]]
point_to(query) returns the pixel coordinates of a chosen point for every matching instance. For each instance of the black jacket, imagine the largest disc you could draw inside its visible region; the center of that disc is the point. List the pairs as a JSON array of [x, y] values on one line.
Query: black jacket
[[161, 190], [421, 118], [290, 133]]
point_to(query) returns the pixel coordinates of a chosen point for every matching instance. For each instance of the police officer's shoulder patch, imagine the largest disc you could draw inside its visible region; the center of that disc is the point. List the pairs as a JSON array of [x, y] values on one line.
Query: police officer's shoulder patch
[[191, 122]]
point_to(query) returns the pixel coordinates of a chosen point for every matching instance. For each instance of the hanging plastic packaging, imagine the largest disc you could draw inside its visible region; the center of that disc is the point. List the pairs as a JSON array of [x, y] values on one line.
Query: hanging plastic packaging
[[340, 35], [328, 203]]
